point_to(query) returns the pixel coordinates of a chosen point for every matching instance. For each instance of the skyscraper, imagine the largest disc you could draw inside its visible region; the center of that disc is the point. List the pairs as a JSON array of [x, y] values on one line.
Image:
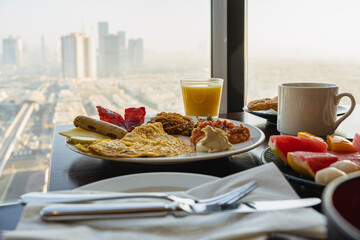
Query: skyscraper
[[90, 57], [136, 53], [78, 56], [103, 31], [123, 51], [122, 39], [44, 60], [111, 57], [13, 52]]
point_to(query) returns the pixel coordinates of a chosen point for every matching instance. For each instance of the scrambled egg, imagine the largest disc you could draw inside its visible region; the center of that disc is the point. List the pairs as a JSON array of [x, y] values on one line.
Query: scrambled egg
[[147, 140]]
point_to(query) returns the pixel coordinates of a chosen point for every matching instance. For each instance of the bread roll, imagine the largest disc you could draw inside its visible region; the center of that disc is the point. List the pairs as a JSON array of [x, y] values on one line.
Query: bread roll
[[107, 129]]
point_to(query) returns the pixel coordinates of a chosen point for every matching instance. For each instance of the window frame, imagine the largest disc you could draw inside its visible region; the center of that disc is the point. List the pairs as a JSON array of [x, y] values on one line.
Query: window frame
[[229, 51]]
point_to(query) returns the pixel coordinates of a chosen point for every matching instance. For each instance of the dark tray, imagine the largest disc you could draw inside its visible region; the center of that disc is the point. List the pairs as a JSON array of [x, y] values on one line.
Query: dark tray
[[304, 186]]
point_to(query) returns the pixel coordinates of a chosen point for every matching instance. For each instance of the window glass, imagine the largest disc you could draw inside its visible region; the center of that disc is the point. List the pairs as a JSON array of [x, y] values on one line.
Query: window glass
[[62, 59], [303, 41]]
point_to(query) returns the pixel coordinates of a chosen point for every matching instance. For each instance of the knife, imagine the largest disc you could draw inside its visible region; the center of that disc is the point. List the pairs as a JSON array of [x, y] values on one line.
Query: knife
[[74, 212]]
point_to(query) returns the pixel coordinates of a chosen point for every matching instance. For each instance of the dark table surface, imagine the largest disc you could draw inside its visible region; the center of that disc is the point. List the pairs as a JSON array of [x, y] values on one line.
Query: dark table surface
[[69, 170]]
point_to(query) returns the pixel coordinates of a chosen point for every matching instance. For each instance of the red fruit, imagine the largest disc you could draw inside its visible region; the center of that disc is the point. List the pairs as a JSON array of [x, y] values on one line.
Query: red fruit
[[282, 144], [352, 156], [356, 142], [110, 116], [308, 163], [133, 117]]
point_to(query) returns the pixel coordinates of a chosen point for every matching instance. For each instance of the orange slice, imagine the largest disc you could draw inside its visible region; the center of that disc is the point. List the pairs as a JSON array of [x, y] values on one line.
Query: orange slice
[[309, 135], [339, 144]]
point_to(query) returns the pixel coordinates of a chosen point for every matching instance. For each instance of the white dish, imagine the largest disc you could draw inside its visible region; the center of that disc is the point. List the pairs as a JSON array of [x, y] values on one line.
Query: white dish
[[257, 137], [150, 182]]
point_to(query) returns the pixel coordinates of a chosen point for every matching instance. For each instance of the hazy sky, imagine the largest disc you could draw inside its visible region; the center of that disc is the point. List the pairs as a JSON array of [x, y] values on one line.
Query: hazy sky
[[304, 28], [163, 24], [298, 28]]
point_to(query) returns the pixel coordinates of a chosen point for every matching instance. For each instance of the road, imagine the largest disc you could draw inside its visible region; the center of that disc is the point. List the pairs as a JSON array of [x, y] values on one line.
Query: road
[[13, 132]]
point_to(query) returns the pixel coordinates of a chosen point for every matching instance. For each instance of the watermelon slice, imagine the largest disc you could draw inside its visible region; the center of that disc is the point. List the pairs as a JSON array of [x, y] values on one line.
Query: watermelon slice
[[352, 156], [308, 163], [356, 142], [282, 144]]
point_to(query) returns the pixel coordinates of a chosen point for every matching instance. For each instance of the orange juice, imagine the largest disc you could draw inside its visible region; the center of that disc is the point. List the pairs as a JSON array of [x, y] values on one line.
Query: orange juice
[[201, 98]]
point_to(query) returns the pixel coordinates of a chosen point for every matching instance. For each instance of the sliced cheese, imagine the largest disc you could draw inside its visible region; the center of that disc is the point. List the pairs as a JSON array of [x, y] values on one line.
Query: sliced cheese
[[79, 135]]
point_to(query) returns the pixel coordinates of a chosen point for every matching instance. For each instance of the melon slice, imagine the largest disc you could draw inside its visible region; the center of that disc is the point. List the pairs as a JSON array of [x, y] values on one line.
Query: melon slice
[[351, 156], [356, 142], [282, 144], [308, 163]]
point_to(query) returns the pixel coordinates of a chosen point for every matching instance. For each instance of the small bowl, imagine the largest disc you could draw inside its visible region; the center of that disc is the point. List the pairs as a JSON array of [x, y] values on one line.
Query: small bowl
[[341, 205]]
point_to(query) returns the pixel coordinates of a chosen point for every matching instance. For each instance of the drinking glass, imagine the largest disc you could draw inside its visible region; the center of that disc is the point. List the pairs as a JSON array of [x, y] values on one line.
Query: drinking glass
[[201, 96]]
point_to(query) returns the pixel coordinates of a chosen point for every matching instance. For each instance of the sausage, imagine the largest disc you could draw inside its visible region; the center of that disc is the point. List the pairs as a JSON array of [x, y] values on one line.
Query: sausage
[[107, 129]]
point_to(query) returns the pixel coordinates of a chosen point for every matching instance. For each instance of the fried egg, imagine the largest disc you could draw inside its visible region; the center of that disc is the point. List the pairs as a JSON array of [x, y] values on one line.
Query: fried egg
[[147, 140]]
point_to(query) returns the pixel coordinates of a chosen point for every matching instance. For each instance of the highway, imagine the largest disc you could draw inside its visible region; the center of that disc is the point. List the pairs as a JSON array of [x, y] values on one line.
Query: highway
[[13, 132]]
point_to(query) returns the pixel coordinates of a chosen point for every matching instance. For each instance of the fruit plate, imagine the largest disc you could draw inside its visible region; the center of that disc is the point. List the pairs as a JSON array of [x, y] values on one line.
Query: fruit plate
[[268, 156], [271, 115]]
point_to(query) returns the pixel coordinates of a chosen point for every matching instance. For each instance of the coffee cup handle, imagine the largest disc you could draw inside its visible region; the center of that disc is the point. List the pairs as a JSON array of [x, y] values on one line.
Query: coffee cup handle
[[352, 107]]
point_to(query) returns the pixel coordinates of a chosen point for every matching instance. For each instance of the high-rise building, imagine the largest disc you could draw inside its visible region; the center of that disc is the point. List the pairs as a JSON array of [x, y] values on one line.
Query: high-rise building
[[122, 39], [90, 57], [13, 52], [103, 31], [44, 60], [123, 51], [78, 56], [111, 57], [136, 53]]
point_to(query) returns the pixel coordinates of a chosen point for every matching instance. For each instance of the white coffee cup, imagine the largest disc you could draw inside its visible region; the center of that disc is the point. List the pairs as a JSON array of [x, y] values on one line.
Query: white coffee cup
[[310, 107]]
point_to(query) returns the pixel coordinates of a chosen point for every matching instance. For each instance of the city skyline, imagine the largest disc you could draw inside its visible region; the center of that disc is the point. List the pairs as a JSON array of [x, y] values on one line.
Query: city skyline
[[113, 56], [113, 53], [326, 32], [171, 17]]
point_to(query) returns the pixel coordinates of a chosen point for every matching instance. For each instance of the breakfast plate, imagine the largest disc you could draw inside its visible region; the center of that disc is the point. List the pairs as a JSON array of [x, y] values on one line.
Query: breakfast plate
[[268, 156], [257, 137], [271, 115], [150, 182]]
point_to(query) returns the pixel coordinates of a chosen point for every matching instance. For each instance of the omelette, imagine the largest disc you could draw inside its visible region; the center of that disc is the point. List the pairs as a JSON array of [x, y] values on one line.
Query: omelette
[[147, 140]]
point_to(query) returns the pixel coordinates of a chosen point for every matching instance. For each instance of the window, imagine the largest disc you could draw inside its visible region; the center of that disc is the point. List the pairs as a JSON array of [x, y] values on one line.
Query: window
[[302, 41], [61, 59]]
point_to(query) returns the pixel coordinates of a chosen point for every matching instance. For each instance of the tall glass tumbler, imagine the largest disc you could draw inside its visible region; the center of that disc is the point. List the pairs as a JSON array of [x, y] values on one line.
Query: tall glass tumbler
[[202, 96]]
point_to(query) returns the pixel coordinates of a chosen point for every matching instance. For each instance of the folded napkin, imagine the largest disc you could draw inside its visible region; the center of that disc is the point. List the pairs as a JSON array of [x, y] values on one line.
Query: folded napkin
[[272, 185]]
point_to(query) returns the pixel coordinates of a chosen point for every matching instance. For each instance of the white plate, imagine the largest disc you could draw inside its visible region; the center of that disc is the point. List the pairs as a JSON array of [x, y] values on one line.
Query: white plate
[[256, 138], [271, 115], [150, 182]]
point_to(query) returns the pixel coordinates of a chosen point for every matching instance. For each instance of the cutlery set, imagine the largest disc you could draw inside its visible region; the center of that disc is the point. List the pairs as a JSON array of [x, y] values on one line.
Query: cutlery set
[[77, 206]]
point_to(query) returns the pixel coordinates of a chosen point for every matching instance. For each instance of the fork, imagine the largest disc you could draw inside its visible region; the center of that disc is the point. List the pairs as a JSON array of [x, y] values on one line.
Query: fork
[[229, 197], [179, 206]]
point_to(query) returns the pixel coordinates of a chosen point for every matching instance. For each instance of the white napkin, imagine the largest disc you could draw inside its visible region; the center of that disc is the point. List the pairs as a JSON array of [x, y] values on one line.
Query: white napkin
[[272, 185]]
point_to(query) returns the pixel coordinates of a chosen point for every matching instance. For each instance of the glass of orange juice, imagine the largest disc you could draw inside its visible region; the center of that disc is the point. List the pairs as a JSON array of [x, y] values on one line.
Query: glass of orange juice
[[201, 96]]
